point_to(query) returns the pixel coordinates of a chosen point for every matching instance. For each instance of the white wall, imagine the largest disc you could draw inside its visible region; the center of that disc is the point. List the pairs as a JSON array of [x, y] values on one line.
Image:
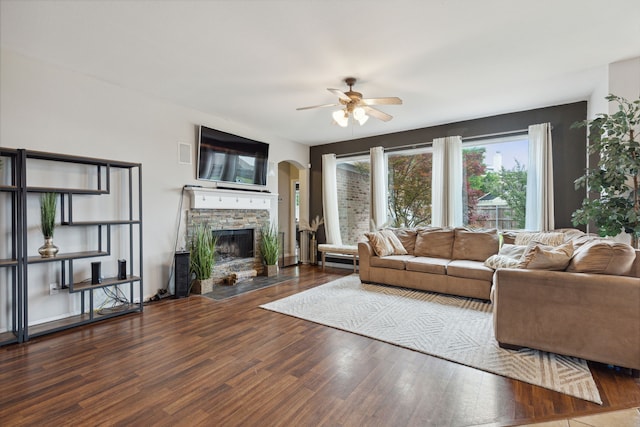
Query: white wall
[[46, 108]]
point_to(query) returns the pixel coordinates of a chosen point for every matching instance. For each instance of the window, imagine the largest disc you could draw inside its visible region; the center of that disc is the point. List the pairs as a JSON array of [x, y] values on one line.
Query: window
[[409, 187], [495, 181], [352, 179]]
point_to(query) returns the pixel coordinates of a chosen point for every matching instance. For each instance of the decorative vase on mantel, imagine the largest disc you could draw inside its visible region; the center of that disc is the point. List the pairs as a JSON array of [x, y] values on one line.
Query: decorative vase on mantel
[[48, 250]]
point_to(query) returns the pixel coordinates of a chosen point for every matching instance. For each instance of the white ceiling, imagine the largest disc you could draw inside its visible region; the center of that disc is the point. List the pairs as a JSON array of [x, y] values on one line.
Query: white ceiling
[[254, 62]]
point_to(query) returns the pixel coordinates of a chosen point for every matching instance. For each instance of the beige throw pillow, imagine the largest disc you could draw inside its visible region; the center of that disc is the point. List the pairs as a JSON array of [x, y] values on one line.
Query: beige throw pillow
[[603, 257], [544, 257], [550, 238], [501, 261], [434, 243], [475, 245], [407, 237], [385, 243], [396, 244]]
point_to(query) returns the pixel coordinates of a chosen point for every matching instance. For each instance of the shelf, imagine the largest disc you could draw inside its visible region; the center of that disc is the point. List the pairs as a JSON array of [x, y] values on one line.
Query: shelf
[[79, 159], [8, 338], [8, 188], [111, 222], [66, 256], [78, 320], [8, 262], [66, 190], [110, 281]]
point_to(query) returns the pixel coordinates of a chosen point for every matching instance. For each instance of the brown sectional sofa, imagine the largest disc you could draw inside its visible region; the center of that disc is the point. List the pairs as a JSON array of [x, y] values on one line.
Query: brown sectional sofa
[[447, 261], [591, 310]]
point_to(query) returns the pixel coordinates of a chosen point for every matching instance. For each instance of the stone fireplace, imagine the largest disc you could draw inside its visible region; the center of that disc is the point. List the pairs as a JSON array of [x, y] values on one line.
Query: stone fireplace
[[236, 218]]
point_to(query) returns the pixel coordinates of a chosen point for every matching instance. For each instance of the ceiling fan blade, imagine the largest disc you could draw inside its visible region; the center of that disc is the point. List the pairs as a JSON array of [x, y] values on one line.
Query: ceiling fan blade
[[317, 106], [391, 100], [340, 94], [377, 113]]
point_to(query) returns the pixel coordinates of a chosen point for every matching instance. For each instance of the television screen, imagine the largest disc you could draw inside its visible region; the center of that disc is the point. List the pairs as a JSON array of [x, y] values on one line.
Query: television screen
[[225, 157]]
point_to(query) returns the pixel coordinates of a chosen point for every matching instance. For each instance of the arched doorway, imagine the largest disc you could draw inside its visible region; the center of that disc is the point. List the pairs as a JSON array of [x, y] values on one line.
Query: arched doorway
[[293, 205]]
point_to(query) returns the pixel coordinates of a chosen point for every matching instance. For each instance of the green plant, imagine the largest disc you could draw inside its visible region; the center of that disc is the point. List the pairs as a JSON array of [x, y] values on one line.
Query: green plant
[[615, 180], [202, 247], [48, 204], [269, 246]]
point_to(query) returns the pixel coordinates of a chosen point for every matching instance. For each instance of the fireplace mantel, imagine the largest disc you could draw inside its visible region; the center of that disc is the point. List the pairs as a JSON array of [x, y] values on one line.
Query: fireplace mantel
[[216, 198]]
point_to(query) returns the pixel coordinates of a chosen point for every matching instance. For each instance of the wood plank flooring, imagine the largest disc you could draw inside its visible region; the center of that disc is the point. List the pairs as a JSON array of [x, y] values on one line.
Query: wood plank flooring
[[196, 361]]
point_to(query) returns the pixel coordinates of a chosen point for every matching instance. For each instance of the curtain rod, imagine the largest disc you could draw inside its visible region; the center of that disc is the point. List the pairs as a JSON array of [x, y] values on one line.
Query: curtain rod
[[428, 144]]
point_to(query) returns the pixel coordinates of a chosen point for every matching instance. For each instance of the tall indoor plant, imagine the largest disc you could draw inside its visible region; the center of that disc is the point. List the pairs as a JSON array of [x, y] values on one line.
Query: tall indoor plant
[[614, 182], [202, 248], [48, 205], [269, 249]]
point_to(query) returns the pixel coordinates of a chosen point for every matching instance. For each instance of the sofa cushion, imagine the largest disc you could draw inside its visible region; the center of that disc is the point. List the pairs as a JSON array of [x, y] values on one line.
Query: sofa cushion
[[434, 243], [475, 245], [428, 265], [469, 270], [385, 243], [603, 257], [396, 262], [547, 238], [501, 261], [545, 257], [407, 237], [513, 251]]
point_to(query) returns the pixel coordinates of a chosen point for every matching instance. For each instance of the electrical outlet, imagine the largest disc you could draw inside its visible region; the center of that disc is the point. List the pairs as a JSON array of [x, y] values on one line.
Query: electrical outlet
[[53, 289]]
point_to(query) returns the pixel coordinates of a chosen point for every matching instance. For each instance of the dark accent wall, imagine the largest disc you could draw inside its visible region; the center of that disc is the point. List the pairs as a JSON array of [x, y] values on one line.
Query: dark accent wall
[[569, 150]]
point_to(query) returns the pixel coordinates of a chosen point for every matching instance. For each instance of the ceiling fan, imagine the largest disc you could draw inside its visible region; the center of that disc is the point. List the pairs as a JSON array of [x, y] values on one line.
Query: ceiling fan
[[357, 106]]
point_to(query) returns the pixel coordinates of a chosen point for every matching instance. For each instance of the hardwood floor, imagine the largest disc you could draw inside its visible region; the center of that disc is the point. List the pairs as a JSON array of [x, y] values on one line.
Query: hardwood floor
[[196, 361]]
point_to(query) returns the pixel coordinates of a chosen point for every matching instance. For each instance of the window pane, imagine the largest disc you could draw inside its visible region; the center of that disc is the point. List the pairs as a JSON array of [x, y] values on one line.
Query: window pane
[[495, 177], [352, 177], [410, 188]]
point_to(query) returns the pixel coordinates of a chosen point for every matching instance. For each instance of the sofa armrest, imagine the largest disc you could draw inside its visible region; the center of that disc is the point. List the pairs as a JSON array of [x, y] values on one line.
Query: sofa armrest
[[365, 252], [592, 316]]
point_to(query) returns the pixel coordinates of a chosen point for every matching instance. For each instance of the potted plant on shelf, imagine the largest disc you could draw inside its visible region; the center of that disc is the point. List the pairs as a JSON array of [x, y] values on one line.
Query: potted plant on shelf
[[48, 205], [202, 248], [614, 181], [269, 249], [313, 242]]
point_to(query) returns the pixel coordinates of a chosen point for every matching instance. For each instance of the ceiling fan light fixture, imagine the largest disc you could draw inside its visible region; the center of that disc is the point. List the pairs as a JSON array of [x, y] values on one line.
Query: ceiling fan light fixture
[[360, 115], [341, 117]]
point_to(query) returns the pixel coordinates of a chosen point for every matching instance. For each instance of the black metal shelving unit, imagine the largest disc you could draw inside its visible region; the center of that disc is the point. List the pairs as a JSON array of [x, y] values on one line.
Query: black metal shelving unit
[[13, 262], [20, 261]]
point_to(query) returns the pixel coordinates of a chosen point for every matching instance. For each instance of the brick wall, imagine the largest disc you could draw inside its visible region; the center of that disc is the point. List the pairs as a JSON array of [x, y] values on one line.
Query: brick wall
[[353, 203]]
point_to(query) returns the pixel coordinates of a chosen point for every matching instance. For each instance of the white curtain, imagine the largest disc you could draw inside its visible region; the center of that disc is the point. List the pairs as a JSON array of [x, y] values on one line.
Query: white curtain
[[539, 206], [378, 206], [330, 199], [446, 182]]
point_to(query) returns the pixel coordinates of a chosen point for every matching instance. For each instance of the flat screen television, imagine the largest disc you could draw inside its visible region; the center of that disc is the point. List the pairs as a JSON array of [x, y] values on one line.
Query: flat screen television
[[231, 159]]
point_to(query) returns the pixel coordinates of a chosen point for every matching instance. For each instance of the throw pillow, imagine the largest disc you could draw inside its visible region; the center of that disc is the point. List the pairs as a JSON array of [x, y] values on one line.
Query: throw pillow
[[475, 245], [603, 257], [398, 248], [434, 243], [501, 261], [513, 251], [407, 237], [380, 243], [544, 257], [549, 238]]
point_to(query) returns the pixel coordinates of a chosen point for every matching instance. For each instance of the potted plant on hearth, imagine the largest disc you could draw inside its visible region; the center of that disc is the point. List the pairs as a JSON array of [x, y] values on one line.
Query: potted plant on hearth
[[614, 183], [202, 248], [269, 249], [48, 205]]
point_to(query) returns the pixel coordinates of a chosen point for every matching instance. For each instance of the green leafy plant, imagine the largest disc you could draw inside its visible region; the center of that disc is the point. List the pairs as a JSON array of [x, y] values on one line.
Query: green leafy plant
[[202, 247], [269, 247], [48, 204], [614, 182]]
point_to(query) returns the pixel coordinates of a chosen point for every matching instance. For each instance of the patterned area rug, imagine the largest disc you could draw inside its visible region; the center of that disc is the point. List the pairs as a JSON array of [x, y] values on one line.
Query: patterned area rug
[[452, 328]]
